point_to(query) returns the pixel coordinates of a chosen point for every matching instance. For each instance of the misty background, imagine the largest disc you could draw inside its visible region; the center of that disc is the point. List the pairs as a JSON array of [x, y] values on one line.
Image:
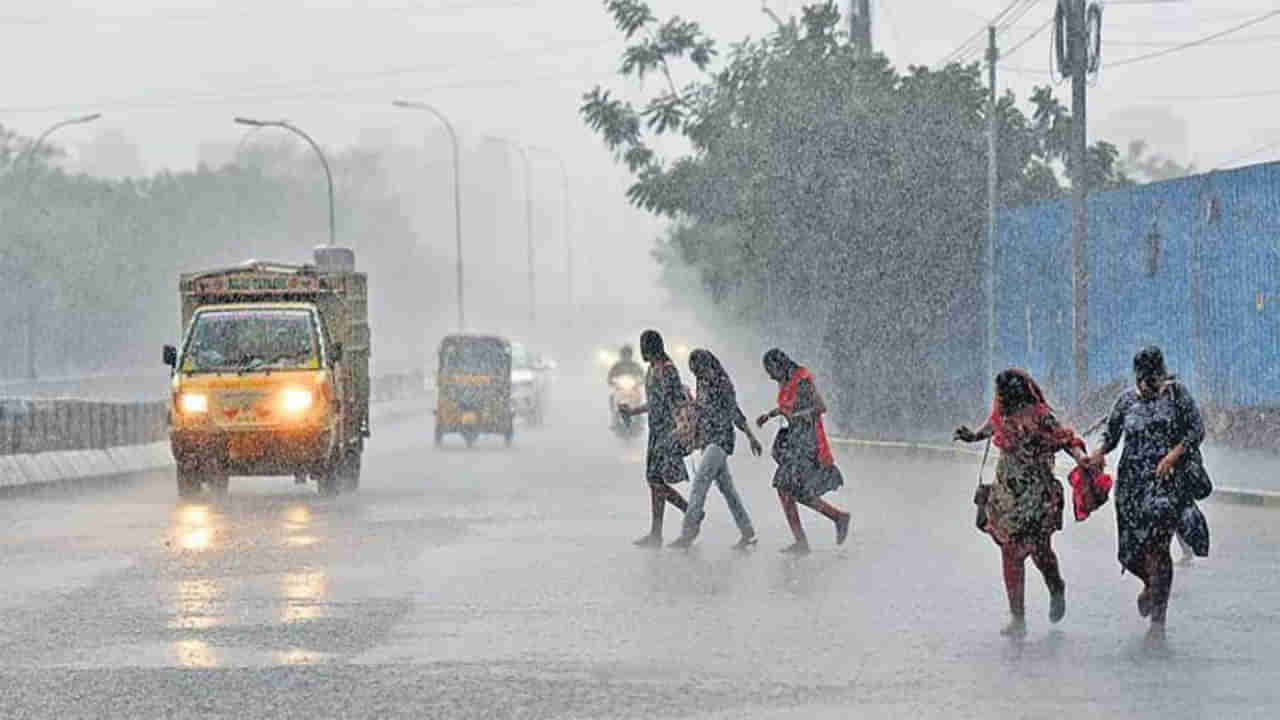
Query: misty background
[[105, 217]]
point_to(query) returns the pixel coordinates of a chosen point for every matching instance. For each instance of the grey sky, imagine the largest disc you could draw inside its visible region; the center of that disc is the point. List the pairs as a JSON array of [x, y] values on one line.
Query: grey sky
[[172, 74]]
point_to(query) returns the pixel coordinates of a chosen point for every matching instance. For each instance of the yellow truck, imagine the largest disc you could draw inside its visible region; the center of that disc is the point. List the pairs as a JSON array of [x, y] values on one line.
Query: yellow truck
[[272, 374]]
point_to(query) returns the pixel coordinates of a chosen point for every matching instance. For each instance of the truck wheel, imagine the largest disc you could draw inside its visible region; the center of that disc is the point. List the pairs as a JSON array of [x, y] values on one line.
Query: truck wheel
[[328, 482], [218, 483], [188, 484], [349, 471]]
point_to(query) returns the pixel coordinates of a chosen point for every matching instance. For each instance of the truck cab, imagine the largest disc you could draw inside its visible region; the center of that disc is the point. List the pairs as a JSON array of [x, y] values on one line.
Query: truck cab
[[271, 377]]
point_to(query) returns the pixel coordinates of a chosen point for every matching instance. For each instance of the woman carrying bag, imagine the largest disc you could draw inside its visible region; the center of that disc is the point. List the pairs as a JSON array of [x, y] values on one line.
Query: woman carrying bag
[[1161, 475], [1023, 507], [806, 467]]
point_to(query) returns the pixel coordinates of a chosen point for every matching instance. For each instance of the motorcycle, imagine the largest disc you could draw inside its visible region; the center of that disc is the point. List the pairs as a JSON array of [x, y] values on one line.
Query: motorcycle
[[626, 390]]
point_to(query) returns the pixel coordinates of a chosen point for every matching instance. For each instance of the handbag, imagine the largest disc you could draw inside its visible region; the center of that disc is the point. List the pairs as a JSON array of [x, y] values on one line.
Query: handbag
[[779, 450], [982, 493], [1194, 478], [685, 434]]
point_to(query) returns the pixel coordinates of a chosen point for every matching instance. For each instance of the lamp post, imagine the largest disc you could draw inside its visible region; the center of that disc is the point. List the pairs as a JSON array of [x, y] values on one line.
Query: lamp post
[[323, 161], [235, 158], [457, 193], [564, 222], [23, 162], [528, 221]]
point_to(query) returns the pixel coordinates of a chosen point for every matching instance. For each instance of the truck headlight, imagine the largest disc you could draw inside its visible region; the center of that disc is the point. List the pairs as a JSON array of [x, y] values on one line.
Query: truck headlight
[[295, 400], [193, 403]]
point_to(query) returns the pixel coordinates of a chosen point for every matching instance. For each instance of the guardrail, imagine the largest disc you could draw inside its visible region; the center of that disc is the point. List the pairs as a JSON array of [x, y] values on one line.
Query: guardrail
[[36, 426]]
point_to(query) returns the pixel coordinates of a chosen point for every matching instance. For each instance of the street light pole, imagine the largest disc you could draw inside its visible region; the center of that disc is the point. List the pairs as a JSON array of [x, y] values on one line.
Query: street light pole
[[24, 162], [323, 161], [564, 223], [528, 221], [235, 158], [457, 192]]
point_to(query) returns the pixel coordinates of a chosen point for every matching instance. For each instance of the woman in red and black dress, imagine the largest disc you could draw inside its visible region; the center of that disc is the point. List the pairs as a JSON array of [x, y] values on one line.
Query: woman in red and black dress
[[806, 468], [1025, 505]]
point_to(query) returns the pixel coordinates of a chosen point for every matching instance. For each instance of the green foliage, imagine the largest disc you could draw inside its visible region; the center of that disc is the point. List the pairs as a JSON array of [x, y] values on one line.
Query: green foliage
[[99, 259], [828, 191]]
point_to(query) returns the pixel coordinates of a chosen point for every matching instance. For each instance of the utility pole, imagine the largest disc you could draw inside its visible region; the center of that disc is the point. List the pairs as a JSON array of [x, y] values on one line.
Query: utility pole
[[860, 26], [1078, 54], [993, 129]]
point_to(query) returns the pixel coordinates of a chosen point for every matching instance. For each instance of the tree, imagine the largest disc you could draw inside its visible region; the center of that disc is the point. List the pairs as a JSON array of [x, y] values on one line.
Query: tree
[[828, 197]]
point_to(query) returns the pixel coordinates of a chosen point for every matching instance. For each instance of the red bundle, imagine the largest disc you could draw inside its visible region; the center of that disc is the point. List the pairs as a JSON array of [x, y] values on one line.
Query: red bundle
[[1089, 491]]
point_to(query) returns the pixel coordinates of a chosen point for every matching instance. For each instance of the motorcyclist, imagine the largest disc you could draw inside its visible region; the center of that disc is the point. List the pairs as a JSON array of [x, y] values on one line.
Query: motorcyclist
[[625, 365]]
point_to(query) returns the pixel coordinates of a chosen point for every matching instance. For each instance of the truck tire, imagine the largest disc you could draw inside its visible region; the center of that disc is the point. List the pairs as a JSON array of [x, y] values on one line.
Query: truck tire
[[328, 482], [218, 483], [188, 484], [349, 471]]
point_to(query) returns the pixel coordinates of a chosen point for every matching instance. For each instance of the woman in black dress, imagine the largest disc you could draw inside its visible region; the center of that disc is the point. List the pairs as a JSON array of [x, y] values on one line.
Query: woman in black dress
[[1162, 430], [664, 461]]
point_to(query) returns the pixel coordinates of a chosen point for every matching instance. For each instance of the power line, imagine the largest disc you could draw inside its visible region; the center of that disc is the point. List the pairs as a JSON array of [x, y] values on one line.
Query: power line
[[256, 13], [317, 87], [962, 49], [1194, 43], [1250, 40], [1029, 38]]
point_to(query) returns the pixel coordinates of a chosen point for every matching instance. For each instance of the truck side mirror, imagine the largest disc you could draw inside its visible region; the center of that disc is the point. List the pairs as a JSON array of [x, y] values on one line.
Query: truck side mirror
[[335, 353], [170, 356]]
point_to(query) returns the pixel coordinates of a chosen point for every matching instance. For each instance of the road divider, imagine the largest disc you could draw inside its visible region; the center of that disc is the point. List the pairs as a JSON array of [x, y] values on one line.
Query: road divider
[[899, 450]]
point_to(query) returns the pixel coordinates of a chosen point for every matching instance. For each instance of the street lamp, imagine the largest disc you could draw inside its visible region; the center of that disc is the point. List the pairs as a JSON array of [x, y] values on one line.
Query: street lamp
[[528, 220], [457, 191], [564, 221], [327, 174], [24, 161], [239, 193]]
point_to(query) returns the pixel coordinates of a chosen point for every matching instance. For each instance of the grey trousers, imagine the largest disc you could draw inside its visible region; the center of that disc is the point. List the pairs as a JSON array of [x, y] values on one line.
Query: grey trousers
[[714, 468]]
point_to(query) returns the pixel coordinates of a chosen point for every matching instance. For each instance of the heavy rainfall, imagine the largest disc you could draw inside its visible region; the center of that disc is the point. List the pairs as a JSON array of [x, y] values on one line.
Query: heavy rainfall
[[639, 359]]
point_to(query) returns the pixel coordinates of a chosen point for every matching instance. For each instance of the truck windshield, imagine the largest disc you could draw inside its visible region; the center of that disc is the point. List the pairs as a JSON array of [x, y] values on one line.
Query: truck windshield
[[225, 340]]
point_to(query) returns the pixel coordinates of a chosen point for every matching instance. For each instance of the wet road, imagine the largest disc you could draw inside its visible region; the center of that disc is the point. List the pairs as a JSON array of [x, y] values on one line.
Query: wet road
[[495, 584]]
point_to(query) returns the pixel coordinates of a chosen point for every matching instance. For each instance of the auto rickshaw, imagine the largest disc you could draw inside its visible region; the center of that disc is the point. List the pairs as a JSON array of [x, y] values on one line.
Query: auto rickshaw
[[473, 388]]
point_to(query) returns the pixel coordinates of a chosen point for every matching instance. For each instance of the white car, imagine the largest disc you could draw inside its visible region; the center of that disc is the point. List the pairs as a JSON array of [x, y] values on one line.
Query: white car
[[530, 384]]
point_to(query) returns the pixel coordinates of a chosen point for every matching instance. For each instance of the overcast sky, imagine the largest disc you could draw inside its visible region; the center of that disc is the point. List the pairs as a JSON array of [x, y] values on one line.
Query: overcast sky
[[172, 74]]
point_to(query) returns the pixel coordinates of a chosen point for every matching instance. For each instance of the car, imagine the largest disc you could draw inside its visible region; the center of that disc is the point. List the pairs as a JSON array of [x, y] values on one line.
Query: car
[[530, 384]]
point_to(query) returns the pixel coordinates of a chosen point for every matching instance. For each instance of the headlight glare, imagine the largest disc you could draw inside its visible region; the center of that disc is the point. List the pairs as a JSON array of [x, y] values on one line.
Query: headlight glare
[[296, 400], [193, 403]]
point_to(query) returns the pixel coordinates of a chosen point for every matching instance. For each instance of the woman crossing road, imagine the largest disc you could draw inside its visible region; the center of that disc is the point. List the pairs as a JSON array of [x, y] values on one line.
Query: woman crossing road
[[806, 468], [717, 415], [1024, 507]]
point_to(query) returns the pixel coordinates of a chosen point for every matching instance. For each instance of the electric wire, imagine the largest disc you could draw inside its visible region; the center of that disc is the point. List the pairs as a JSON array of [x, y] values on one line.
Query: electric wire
[[1195, 43]]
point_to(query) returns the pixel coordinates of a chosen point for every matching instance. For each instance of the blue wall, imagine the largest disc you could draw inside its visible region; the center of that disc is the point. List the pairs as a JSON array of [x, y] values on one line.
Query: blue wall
[[1233, 220]]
